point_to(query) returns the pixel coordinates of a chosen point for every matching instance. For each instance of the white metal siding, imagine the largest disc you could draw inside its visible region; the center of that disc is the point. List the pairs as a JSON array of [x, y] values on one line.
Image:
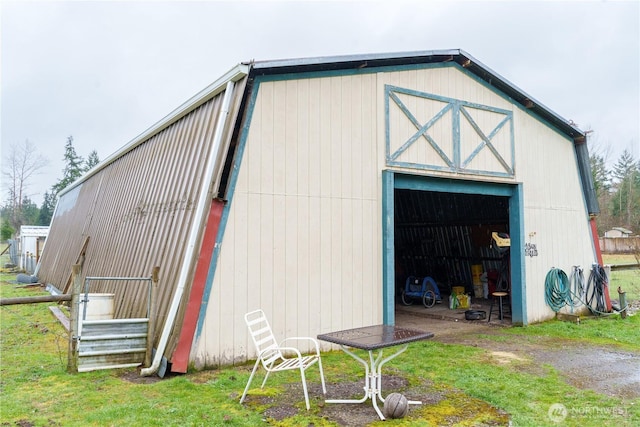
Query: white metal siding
[[555, 216], [302, 240]]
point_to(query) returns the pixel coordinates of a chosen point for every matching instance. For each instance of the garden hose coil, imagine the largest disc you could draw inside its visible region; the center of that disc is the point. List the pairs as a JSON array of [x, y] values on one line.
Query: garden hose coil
[[561, 291], [557, 290]]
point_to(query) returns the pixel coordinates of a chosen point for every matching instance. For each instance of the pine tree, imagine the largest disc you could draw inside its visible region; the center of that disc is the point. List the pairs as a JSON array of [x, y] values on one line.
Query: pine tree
[[46, 209], [624, 166], [92, 160], [600, 175], [30, 211], [602, 185], [73, 169], [626, 200]]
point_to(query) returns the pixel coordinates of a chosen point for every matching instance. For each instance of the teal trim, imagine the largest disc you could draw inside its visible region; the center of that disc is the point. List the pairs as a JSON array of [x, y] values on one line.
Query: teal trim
[[467, 172], [387, 148], [513, 144], [449, 185], [388, 245], [516, 227], [233, 179], [583, 164], [517, 256], [350, 72], [420, 94], [458, 108]]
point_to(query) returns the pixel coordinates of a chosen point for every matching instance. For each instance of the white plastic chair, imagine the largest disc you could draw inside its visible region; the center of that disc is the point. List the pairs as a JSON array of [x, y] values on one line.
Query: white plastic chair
[[275, 357]]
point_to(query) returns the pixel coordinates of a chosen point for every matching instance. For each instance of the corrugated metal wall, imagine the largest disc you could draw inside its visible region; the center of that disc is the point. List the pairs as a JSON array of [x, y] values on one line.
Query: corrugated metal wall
[[137, 212]]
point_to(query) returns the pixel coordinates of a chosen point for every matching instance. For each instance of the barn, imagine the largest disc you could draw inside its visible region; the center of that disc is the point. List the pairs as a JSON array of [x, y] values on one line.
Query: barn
[[311, 188]]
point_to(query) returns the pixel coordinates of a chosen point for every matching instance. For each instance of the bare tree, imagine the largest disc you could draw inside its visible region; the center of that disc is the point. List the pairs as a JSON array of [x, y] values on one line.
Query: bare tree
[[19, 167]]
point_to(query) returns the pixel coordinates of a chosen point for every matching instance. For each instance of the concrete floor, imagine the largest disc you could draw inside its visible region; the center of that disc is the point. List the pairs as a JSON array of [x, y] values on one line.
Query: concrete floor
[[444, 321]]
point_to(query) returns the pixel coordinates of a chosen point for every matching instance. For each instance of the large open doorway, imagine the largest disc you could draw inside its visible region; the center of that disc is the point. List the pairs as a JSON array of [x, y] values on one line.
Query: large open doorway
[[452, 232]]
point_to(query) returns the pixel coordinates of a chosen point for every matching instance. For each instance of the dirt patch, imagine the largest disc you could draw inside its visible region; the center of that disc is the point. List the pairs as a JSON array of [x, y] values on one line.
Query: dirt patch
[[27, 423], [136, 378], [505, 357], [345, 414]]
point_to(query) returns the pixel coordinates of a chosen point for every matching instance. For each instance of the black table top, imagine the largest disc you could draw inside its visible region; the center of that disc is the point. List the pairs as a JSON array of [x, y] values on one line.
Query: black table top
[[375, 337]]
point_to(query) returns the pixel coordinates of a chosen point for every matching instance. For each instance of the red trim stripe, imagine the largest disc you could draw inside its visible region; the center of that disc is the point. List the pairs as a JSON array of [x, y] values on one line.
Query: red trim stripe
[[180, 358]]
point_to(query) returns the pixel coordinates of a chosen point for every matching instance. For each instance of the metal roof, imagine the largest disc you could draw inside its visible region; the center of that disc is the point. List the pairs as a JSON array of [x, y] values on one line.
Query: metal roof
[[458, 56]]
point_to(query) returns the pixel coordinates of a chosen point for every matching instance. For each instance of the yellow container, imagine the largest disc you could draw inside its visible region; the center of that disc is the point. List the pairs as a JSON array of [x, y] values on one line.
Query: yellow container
[[458, 290], [464, 301], [476, 272]]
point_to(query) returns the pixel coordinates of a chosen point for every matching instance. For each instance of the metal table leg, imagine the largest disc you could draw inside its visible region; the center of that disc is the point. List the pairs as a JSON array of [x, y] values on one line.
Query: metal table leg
[[367, 381], [373, 379]]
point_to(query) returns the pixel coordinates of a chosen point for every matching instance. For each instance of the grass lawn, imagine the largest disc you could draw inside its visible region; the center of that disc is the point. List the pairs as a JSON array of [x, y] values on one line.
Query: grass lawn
[[469, 388], [628, 280]]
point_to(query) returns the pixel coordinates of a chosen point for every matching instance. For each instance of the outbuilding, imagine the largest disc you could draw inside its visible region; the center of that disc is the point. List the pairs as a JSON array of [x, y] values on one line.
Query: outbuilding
[[32, 240], [312, 188]]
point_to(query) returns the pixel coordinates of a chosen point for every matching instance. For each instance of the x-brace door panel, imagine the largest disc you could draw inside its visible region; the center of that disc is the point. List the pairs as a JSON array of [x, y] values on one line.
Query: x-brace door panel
[[426, 131]]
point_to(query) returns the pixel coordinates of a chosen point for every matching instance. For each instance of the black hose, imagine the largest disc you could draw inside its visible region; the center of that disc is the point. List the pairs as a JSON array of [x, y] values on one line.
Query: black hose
[[594, 296]]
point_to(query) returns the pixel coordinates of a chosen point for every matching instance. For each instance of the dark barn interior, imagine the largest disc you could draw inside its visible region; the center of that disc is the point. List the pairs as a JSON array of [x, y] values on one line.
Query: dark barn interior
[[442, 235]]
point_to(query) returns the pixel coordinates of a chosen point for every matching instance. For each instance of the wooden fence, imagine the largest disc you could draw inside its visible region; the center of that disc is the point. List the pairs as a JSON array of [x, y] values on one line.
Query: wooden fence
[[620, 245]]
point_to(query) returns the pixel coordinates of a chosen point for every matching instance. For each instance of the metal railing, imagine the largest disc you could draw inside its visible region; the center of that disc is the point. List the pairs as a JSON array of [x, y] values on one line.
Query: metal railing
[[109, 343]]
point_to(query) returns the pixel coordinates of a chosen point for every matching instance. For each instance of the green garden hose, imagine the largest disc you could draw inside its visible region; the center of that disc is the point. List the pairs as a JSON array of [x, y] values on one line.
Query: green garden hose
[[557, 292]]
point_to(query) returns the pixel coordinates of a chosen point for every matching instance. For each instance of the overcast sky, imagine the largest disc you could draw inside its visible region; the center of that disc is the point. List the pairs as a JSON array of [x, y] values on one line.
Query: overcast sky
[[104, 72]]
